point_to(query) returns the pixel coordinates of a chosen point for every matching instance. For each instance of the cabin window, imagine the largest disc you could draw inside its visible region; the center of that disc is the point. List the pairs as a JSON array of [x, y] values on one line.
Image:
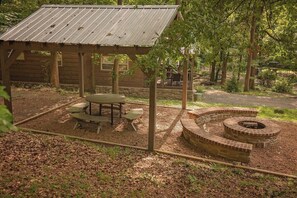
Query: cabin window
[[107, 63]]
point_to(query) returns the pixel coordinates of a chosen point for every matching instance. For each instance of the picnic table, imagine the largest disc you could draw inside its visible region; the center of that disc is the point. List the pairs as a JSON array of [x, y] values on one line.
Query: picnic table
[[106, 99]]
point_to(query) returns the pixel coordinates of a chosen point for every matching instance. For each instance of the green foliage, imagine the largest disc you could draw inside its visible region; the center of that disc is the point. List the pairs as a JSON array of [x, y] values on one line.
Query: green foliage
[[5, 116], [274, 113], [232, 85], [200, 89], [282, 86], [292, 78], [266, 77]]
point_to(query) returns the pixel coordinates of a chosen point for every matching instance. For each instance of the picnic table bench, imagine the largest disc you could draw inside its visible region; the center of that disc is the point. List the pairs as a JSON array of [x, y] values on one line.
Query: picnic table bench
[[77, 108], [132, 115], [89, 118]]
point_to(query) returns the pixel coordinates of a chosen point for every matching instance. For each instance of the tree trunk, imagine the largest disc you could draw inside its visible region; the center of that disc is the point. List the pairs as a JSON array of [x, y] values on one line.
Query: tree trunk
[[252, 79], [239, 68], [224, 69], [212, 72], [250, 54], [217, 74]]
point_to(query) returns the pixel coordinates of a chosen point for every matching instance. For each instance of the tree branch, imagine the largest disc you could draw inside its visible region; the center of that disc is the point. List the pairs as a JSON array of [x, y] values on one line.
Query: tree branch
[[273, 37], [233, 10]]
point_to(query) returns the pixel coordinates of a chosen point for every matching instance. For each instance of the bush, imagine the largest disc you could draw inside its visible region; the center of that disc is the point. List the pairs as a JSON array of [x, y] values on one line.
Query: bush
[[232, 85], [282, 86], [5, 115], [266, 77], [199, 89], [292, 78]]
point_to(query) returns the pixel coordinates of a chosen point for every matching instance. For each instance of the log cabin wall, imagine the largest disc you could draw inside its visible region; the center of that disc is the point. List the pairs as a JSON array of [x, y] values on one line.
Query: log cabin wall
[[35, 68], [30, 67]]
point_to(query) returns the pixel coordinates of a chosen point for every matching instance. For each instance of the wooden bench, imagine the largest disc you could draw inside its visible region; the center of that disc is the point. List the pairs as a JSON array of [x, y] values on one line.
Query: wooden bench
[[89, 118], [132, 115], [78, 108], [214, 144]]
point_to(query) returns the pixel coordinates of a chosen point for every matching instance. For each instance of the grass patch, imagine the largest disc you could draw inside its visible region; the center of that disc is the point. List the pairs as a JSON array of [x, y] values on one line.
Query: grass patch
[[264, 112], [175, 103], [247, 183], [195, 184], [279, 114], [103, 178]]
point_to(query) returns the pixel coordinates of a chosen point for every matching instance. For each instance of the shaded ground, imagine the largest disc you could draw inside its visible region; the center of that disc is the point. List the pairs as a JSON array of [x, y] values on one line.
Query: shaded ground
[[281, 156], [44, 166], [217, 96], [28, 102]]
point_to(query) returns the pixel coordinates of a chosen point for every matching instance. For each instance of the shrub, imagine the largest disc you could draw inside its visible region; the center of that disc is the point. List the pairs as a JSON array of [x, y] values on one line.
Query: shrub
[[292, 78], [232, 85], [282, 86], [266, 77], [199, 89], [5, 115]]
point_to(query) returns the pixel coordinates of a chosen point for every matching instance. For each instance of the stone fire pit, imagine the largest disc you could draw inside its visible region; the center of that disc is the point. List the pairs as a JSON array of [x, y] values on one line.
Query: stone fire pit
[[256, 131]]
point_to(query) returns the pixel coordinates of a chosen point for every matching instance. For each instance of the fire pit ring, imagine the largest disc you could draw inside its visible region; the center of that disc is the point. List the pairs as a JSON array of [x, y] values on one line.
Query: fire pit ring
[[258, 132]]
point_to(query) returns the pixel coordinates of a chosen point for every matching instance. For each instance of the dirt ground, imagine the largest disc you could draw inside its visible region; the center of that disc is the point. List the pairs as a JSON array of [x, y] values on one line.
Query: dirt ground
[[34, 165], [280, 156]]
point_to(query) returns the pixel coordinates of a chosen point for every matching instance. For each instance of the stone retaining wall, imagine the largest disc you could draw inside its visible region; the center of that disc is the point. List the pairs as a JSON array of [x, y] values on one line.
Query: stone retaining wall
[[141, 92], [214, 144]]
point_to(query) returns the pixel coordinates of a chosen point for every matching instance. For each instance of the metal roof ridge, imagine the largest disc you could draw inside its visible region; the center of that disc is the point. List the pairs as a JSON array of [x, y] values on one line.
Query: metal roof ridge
[[110, 6]]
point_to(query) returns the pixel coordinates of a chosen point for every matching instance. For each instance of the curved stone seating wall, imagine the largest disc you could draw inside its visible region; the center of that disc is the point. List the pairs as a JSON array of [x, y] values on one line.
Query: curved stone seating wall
[[214, 144], [205, 115]]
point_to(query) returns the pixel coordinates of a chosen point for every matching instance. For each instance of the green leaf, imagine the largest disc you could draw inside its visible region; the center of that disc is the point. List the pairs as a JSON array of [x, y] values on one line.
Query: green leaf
[[3, 94]]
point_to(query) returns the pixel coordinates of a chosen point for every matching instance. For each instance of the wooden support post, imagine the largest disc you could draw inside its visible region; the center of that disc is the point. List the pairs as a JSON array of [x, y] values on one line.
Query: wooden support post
[[81, 75], [6, 77], [93, 78], [54, 70], [185, 80], [115, 76], [152, 114]]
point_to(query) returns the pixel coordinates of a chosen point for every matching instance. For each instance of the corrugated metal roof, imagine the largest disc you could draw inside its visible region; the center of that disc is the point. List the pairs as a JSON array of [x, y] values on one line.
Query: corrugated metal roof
[[95, 25]]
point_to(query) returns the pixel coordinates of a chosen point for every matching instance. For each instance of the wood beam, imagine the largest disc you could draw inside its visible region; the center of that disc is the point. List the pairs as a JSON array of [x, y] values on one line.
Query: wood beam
[[152, 114], [185, 81], [54, 70], [81, 75], [115, 76], [133, 57], [13, 56], [93, 78], [6, 77], [75, 48]]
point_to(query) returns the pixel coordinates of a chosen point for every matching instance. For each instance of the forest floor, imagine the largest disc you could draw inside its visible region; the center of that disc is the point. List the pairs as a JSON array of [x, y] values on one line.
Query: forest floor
[[27, 161], [47, 166], [279, 156]]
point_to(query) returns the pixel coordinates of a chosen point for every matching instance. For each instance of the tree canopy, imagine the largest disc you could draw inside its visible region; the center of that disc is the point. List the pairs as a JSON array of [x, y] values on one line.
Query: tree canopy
[[215, 30]]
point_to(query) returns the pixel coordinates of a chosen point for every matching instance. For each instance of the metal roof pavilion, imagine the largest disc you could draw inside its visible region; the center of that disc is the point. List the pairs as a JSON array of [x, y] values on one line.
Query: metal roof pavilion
[[124, 26], [84, 29]]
